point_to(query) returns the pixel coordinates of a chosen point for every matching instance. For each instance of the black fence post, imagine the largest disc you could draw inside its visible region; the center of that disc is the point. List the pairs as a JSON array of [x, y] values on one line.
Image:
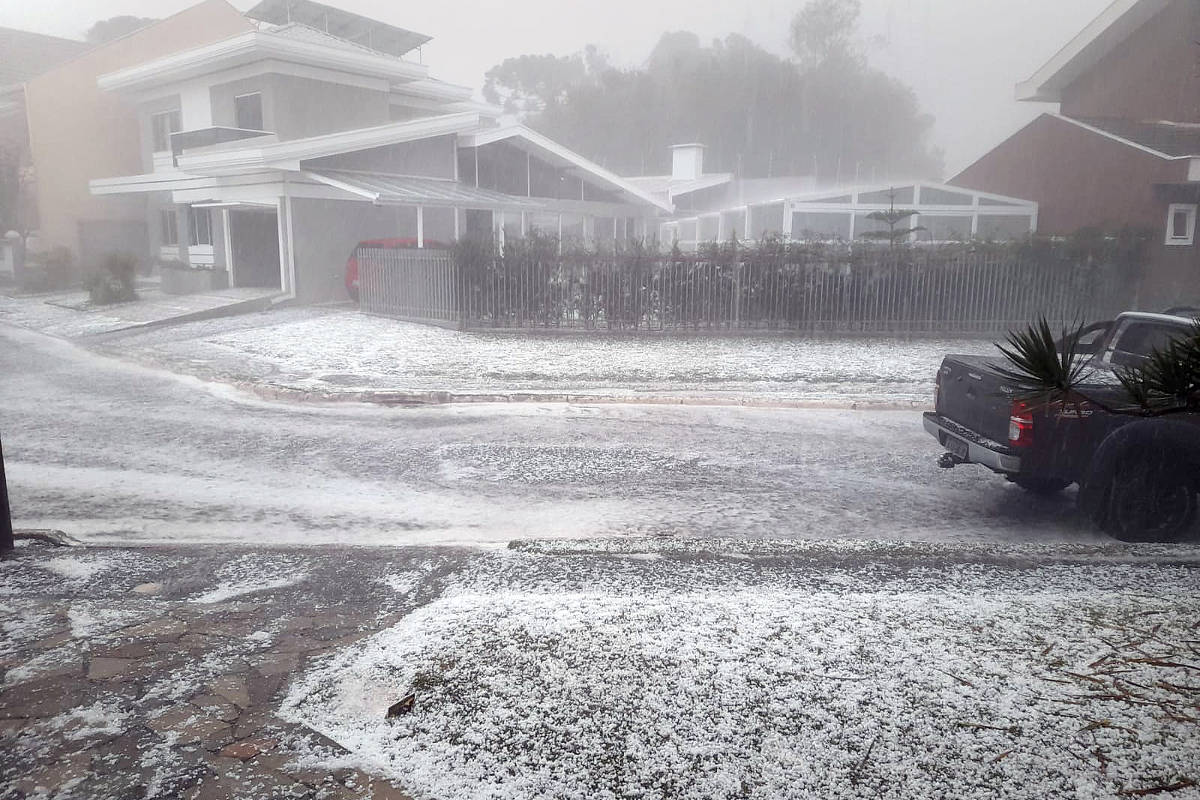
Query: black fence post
[[6, 530]]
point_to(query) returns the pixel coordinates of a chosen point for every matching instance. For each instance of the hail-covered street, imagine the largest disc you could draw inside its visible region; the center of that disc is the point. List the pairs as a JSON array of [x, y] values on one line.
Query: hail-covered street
[[110, 452]]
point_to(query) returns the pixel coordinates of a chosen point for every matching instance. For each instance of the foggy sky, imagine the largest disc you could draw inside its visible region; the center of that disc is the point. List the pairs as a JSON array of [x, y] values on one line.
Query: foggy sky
[[963, 57]]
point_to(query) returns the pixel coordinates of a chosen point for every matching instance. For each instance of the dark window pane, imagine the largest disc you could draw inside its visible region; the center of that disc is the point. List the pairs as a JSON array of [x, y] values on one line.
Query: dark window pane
[[249, 112]]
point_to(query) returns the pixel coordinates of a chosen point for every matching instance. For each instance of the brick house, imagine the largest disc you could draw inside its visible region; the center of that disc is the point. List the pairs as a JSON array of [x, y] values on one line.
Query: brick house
[[1123, 149]]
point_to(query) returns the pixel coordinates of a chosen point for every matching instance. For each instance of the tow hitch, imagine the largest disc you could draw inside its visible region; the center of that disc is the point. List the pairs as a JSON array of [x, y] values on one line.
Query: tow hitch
[[950, 461]]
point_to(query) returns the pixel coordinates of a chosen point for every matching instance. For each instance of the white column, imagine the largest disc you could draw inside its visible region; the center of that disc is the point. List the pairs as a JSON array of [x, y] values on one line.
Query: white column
[[287, 259], [228, 237], [787, 220], [420, 227], [457, 211]]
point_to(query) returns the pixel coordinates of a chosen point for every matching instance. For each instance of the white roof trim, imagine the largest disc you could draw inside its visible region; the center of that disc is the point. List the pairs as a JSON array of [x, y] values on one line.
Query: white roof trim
[[343, 186], [1115, 24], [1121, 139], [521, 132], [433, 89], [287, 155], [860, 189], [148, 182], [254, 46]]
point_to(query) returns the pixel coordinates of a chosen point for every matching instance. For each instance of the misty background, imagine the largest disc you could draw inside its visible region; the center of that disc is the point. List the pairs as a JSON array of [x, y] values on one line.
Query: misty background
[[960, 57]]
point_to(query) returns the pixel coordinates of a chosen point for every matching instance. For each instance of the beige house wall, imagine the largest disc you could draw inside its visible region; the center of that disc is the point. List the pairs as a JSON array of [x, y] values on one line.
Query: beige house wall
[[79, 132]]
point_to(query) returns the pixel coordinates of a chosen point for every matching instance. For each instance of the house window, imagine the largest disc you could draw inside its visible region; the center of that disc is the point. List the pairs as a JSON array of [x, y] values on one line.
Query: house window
[[169, 225], [248, 111], [162, 125], [201, 228], [1181, 224]]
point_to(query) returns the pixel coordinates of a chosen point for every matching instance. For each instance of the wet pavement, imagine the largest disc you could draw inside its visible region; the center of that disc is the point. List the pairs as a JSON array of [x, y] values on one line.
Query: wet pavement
[[125, 676]]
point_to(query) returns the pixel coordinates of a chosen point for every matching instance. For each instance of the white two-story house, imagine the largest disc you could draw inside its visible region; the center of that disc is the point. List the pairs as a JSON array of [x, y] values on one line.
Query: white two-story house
[[271, 153]]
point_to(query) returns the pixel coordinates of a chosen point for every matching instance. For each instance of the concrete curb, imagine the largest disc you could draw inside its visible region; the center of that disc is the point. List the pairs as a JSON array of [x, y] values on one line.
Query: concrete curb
[[429, 398], [231, 310]]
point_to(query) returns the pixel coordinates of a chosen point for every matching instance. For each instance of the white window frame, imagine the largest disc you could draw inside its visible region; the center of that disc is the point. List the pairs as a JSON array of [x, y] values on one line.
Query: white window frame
[[194, 239], [169, 227], [1181, 208], [171, 114]]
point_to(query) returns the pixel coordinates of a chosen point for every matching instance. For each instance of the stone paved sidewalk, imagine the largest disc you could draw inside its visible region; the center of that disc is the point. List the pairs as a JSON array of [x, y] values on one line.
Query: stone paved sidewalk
[[126, 675]]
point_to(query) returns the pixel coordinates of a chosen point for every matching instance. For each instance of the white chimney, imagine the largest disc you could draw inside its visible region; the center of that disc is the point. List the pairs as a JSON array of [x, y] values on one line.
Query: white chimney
[[687, 162]]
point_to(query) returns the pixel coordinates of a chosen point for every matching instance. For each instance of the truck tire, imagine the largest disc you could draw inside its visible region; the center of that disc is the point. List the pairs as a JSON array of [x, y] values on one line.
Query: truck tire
[[1043, 487], [1144, 482]]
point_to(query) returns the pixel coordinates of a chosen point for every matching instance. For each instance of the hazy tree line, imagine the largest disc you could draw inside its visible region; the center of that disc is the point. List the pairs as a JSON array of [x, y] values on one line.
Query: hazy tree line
[[825, 110]]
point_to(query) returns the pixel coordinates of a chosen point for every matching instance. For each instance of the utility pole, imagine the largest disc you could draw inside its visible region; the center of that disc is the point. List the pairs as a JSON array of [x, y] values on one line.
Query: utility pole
[[6, 531]]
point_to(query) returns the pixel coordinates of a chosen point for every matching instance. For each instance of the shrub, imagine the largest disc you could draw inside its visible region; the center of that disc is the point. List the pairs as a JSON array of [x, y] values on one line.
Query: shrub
[[114, 282]]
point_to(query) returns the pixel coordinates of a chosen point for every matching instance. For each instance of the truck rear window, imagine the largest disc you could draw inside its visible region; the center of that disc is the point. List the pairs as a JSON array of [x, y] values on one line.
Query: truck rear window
[[1137, 340]]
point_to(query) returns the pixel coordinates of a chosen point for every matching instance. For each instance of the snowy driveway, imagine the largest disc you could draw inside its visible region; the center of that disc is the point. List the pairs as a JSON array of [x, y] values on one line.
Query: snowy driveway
[[111, 452]]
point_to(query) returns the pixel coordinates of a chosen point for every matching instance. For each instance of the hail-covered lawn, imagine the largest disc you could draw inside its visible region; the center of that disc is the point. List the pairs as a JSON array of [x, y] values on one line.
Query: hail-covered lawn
[[822, 671]]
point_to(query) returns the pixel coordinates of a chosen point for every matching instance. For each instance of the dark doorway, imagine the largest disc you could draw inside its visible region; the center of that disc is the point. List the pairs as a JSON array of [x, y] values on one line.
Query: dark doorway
[[478, 224], [255, 238]]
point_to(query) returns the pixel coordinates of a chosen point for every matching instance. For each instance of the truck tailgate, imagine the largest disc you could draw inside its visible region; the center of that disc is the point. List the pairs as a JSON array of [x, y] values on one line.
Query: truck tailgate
[[973, 395]]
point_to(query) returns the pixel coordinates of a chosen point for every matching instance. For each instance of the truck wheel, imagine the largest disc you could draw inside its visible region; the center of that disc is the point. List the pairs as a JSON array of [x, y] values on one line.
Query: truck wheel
[[1144, 482], [1151, 503], [1039, 486]]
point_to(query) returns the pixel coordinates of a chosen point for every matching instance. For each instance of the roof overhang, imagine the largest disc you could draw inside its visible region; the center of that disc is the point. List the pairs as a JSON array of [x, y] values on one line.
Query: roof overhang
[[434, 95], [1114, 25], [252, 155], [534, 143], [254, 46], [398, 190]]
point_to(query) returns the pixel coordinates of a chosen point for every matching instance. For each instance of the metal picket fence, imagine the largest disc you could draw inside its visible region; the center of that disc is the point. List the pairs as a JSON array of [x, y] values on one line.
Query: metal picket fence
[[878, 291], [414, 284]]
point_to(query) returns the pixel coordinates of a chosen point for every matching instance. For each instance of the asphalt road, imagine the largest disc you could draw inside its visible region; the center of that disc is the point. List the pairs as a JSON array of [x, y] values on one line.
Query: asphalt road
[[111, 452]]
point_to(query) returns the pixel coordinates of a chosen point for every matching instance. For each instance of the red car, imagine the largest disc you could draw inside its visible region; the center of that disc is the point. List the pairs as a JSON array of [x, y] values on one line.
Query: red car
[[379, 244]]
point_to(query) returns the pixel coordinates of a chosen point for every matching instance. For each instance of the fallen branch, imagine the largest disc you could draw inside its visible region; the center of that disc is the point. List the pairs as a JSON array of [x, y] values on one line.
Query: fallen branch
[[963, 681], [1154, 662], [1013, 729], [1186, 783], [865, 758]]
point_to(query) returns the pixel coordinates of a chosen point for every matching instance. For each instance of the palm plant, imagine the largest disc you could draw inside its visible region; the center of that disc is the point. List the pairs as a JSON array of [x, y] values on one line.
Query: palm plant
[[1169, 379], [1053, 370], [1042, 367]]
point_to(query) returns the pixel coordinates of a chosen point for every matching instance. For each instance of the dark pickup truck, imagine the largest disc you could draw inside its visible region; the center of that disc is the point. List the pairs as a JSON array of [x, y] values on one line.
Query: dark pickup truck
[[1139, 476]]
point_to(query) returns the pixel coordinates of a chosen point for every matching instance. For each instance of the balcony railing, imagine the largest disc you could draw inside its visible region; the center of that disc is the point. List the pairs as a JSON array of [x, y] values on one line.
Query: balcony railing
[[206, 137]]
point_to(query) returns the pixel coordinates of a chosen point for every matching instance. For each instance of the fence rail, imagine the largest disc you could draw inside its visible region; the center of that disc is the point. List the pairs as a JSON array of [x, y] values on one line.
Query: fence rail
[[884, 292]]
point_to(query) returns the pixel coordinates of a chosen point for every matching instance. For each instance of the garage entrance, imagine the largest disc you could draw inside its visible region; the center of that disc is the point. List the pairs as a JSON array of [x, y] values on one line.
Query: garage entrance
[[254, 236]]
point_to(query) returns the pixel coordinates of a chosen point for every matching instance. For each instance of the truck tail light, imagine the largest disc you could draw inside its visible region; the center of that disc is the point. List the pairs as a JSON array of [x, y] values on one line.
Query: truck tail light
[[1020, 425]]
